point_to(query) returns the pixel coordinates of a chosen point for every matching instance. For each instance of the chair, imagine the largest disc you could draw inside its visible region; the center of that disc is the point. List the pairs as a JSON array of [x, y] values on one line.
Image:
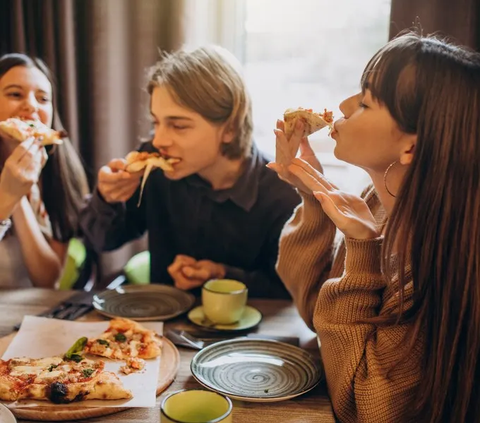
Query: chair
[[79, 264], [137, 269]]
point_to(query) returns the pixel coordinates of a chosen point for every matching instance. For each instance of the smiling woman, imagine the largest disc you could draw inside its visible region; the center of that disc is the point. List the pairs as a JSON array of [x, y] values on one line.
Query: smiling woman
[[44, 220]]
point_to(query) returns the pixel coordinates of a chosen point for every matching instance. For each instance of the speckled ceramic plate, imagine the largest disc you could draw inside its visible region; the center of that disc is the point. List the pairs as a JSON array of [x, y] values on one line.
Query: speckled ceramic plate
[[251, 317], [146, 302], [6, 415], [256, 370]]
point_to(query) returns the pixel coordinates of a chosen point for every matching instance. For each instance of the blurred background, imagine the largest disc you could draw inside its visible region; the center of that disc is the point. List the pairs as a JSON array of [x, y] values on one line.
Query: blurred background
[[307, 53]]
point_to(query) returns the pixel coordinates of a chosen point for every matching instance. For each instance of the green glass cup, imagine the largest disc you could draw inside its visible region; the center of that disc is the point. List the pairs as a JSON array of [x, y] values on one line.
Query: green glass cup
[[196, 406]]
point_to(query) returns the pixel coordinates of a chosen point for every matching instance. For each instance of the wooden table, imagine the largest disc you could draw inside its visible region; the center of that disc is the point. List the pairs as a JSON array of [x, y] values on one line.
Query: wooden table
[[279, 318]]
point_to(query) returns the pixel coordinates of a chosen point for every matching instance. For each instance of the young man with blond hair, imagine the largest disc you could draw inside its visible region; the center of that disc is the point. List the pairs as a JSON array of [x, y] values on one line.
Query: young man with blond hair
[[219, 212]]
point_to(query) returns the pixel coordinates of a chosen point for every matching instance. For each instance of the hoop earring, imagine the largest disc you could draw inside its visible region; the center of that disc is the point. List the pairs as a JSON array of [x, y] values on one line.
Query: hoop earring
[[385, 178]]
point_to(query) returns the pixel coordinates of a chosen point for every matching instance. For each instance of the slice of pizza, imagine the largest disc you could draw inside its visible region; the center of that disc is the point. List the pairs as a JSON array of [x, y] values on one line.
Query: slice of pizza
[[313, 121], [21, 129], [125, 339], [139, 160], [58, 380]]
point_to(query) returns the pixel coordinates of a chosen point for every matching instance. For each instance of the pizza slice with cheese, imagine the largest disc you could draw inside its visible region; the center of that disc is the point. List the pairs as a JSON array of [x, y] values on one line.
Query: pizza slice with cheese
[[313, 122], [125, 339], [21, 129], [58, 380], [140, 160]]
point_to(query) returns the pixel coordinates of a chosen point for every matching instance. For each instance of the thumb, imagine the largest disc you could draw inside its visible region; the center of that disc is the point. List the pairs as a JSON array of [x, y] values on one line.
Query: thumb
[[117, 164]]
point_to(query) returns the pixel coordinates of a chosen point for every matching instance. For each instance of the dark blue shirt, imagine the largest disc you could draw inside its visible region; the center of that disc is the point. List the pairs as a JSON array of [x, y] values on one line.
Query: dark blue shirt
[[238, 227]]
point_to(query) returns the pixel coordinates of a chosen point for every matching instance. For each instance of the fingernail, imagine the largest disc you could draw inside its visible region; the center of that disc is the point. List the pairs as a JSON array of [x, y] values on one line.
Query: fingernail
[[298, 125], [279, 121]]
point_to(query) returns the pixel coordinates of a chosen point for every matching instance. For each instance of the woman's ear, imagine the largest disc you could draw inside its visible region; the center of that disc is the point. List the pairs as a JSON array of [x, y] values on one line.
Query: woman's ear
[[409, 143]]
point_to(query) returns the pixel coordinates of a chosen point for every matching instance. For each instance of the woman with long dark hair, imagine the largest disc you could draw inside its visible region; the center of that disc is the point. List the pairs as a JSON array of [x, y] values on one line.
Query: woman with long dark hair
[[396, 304], [41, 189]]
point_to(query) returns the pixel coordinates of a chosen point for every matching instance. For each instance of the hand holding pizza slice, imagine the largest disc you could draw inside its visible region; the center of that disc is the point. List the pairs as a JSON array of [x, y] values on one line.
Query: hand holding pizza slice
[[21, 129], [142, 160], [312, 122]]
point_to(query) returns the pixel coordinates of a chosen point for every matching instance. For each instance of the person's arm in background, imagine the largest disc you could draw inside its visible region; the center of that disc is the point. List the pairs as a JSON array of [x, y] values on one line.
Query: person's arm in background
[[43, 256], [111, 217]]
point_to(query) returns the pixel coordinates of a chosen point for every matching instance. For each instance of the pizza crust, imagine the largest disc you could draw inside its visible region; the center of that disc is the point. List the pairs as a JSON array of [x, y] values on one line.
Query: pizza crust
[[140, 160], [59, 381], [313, 121], [20, 130]]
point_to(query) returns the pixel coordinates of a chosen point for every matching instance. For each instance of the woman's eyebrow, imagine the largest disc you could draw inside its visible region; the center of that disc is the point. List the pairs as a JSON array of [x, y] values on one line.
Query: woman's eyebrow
[[13, 86]]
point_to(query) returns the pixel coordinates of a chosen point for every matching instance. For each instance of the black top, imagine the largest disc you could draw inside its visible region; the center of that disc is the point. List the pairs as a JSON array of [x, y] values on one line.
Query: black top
[[238, 227]]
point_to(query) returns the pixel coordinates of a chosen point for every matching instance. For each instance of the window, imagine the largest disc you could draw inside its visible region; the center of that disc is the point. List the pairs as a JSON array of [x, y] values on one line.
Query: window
[[308, 53]]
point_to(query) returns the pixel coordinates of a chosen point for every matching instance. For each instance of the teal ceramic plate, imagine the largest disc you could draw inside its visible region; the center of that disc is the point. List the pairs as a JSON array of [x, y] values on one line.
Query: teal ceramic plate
[[146, 302], [6, 415], [251, 317], [256, 370]]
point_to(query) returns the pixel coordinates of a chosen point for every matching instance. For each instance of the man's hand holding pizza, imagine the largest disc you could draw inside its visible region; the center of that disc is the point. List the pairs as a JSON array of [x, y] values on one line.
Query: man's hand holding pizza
[[115, 184]]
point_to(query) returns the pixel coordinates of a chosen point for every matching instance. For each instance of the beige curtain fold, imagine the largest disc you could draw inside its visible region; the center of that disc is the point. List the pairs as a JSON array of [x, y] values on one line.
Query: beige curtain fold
[[99, 51]]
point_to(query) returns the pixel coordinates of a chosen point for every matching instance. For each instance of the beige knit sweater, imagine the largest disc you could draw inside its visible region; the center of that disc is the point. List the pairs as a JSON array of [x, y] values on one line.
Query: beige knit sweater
[[335, 288]]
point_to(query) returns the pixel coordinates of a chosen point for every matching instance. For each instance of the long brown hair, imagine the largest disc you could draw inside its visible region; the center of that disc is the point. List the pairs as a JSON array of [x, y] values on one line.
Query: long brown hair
[[63, 179], [432, 89]]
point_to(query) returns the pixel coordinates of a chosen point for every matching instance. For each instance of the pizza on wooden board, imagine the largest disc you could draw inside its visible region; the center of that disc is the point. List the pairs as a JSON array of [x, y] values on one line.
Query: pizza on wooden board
[[126, 339], [21, 129], [59, 380]]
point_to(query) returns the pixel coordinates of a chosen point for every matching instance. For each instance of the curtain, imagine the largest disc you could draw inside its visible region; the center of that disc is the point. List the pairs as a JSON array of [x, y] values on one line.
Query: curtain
[[459, 19], [98, 51]]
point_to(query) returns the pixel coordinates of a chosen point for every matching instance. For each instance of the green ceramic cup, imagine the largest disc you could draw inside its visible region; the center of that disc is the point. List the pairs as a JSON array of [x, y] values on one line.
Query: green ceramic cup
[[224, 300], [196, 406]]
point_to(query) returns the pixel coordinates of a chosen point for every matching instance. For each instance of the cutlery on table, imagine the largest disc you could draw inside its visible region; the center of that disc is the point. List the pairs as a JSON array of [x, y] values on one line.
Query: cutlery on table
[[70, 309], [186, 339]]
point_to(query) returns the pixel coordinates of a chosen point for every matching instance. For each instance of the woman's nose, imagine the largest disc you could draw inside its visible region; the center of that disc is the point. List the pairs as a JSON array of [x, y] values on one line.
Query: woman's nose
[[347, 106], [30, 104]]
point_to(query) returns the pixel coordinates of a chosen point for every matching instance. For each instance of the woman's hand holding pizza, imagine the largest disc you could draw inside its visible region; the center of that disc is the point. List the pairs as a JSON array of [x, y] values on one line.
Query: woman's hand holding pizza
[[115, 184], [350, 213], [20, 171], [287, 150]]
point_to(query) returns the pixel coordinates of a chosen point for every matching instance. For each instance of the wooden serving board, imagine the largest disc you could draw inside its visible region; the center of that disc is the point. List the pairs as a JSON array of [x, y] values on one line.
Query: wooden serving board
[[169, 364]]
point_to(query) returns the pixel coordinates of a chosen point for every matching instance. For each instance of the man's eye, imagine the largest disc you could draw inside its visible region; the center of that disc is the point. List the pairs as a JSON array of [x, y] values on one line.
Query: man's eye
[[362, 105], [14, 95], [44, 100], [180, 127]]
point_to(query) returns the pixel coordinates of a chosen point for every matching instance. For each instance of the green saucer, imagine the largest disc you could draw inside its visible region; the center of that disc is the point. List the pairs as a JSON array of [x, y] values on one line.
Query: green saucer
[[251, 317]]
